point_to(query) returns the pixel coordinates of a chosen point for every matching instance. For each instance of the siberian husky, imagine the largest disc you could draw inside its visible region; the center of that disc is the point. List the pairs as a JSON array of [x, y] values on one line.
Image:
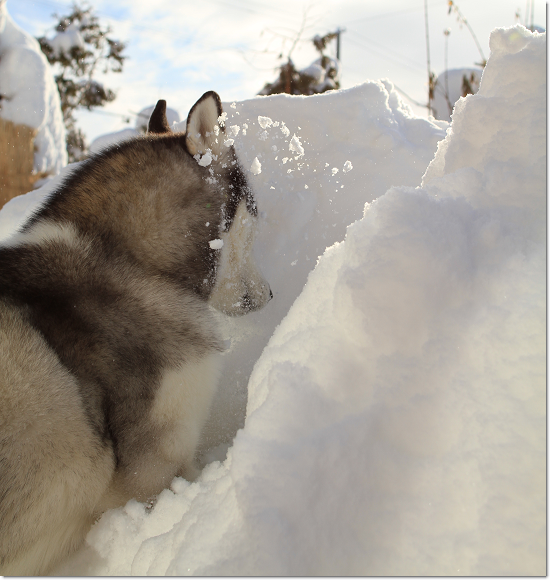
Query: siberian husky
[[109, 352]]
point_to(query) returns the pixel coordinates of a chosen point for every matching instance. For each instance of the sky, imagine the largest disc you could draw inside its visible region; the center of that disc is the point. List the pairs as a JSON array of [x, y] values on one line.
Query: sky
[[178, 50]]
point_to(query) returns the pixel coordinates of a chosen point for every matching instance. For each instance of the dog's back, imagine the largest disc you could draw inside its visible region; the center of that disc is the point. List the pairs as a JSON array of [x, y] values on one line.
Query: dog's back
[[48, 449], [109, 354]]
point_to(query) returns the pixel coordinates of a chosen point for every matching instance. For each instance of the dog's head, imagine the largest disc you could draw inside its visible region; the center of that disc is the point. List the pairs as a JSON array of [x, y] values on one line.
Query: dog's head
[[238, 286]]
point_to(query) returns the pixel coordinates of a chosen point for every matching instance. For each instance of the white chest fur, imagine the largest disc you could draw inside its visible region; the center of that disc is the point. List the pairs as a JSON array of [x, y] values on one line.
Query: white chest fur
[[182, 405]]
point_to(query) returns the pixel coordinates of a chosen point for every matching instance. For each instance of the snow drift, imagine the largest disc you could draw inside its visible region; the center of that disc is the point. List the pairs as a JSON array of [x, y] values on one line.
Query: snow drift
[[396, 413]]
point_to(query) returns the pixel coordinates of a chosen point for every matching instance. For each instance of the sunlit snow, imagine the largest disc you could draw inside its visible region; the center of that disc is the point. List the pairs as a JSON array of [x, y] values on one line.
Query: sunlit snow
[[385, 413]]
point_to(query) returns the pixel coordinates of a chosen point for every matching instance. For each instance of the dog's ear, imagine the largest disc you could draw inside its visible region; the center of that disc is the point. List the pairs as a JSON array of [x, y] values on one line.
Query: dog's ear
[[158, 123], [203, 130]]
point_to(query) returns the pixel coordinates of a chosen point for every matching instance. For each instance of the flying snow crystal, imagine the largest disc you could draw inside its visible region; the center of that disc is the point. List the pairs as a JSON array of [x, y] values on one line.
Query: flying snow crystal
[[256, 167], [264, 122], [229, 142], [222, 118], [216, 244], [233, 130], [347, 166], [233, 105], [334, 170], [285, 130], [296, 146]]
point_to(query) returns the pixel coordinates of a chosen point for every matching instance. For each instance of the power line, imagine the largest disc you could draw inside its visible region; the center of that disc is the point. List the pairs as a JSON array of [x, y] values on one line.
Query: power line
[[241, 5], [384, 52], [408, 96], [395, 13], [126, 116]]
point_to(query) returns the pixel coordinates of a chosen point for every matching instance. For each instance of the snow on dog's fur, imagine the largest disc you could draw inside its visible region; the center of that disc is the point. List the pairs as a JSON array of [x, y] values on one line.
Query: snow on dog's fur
[[109, 353]]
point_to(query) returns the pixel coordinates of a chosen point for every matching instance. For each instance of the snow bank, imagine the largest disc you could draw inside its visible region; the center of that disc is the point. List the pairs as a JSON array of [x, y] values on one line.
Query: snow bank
[[395, 420], [297, 150], [29, 94], [21, 207]]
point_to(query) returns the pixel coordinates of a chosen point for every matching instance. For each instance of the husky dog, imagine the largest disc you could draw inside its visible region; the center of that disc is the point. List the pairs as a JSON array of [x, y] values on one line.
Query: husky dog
[[109, 352]]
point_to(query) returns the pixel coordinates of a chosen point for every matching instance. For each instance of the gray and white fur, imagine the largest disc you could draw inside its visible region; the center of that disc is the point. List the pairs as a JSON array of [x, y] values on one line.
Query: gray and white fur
[[109, 352]]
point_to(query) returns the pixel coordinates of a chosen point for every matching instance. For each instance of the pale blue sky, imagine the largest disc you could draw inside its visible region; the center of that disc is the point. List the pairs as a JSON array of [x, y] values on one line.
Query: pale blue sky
[[179, 49]]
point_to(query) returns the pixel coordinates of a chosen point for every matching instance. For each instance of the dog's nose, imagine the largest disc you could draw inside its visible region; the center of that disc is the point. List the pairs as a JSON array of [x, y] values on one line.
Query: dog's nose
[[270, 294]]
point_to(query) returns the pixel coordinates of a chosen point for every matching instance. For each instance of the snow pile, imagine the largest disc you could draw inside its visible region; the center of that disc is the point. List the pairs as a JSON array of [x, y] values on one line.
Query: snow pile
[[395, 422], [20, 208], [28, 94], [297, 150]]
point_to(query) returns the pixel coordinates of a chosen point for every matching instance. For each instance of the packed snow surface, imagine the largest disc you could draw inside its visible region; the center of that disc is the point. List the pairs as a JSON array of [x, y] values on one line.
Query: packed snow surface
[[28, 94], [396, 414]]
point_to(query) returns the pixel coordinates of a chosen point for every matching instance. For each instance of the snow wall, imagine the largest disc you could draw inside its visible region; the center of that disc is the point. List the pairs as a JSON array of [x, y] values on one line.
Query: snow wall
[[396, 414]]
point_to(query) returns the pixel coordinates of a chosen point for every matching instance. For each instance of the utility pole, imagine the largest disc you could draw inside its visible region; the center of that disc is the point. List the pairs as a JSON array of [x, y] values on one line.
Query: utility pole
[[338, 32], [428, 58]]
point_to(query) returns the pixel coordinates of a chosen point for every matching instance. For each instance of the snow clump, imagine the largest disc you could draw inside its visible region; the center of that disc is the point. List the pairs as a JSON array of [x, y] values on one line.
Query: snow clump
[[296, 146], [256, 167], [216, 244]]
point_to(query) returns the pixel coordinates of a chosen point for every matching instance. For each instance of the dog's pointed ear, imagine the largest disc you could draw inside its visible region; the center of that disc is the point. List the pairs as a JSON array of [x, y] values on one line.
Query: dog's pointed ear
[[203, 130], [158, 123]]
